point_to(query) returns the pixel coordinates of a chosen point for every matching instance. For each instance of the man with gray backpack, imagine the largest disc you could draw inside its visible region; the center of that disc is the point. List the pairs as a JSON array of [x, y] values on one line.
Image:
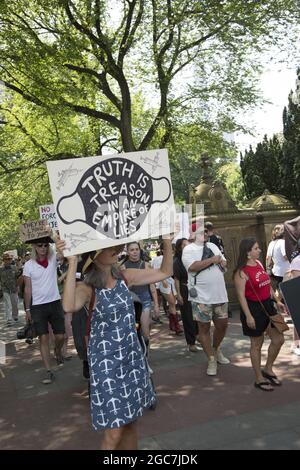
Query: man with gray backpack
[[206, 265]]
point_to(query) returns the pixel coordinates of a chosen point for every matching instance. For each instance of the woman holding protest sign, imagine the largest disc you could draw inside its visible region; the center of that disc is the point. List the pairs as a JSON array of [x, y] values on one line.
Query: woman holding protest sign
[[120, 385]]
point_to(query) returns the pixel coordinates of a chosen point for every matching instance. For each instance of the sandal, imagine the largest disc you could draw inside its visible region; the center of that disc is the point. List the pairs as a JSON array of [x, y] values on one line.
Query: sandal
[[272, 378], [262, 386]]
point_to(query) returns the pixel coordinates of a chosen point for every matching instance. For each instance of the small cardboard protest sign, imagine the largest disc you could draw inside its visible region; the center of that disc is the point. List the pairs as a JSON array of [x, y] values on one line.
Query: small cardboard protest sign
[[110, 200], [12, 253], [33, 230], [48, 213]]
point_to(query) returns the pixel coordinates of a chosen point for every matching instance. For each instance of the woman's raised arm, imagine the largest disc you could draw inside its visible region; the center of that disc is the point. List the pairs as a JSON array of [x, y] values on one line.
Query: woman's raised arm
[[140, 277]]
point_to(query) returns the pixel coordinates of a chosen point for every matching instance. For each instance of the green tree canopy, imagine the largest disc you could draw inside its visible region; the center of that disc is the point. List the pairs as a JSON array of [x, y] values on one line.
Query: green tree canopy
[[275, 164], [88, 56]]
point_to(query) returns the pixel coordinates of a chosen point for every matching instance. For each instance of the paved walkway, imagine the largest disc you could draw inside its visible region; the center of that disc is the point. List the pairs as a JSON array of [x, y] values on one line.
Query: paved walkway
[[194, 411]]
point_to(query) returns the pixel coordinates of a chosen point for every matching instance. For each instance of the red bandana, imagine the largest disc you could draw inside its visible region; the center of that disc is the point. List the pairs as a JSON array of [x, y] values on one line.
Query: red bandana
[[43, 262]]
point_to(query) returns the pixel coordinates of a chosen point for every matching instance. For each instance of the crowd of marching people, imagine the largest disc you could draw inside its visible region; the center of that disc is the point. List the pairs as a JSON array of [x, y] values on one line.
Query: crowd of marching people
[[97, 296]]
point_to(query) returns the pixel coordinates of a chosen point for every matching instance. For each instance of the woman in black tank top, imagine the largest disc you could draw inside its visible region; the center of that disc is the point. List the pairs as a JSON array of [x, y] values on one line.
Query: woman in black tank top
[[145, 293]]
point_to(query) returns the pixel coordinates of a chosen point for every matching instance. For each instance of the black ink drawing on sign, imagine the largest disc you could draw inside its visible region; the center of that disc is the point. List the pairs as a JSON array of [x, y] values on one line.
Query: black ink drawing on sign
[[75, 239], [113, 197], [153, 163], [64, 175]]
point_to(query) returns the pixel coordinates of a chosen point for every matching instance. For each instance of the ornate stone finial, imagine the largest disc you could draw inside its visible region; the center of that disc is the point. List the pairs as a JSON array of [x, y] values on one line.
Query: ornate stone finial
[[205, 164]]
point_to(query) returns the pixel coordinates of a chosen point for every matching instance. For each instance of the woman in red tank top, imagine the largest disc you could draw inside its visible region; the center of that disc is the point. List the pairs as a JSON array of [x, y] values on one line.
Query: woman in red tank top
[[256, 296]]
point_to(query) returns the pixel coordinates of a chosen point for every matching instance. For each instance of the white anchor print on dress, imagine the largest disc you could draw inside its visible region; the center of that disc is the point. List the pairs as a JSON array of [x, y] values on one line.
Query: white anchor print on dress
[[102, 326], [146, 381], [119, 356], [103, 349], [130, 413], [135, 373], [132, 337], [146, 401], [105, 292], [109, 388], [122, 373], [115, 318], [103, 422], [126, 394], [128, 317], [118, 422], [138, 393], [99, 402], [117, 338], [94, 382], [113, 402], [132, 355], [106, 368], [93, 361], [123, 301]]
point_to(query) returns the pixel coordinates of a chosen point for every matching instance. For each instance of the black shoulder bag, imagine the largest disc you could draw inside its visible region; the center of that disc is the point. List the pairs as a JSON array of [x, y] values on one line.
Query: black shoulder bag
[[207, 253]]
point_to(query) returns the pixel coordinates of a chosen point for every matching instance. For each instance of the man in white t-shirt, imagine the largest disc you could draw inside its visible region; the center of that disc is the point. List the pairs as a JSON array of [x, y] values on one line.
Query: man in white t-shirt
[[42, 302], [208, 295]]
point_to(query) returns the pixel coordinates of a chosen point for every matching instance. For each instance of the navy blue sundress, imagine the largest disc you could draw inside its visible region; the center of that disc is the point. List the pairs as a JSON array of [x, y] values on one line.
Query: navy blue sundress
[[119, 378]]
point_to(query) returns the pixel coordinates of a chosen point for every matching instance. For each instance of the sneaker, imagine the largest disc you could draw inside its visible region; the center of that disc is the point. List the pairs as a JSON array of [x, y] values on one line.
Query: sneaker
[[221, 358], [193, 348], [59, 358], [212, 366], [85, 370], [16, 320], [296, 351], [60, 361], [48, 378]]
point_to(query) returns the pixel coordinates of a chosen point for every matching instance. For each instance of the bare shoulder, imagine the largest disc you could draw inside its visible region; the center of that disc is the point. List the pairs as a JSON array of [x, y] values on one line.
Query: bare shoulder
[[240, 276], [83, 290]]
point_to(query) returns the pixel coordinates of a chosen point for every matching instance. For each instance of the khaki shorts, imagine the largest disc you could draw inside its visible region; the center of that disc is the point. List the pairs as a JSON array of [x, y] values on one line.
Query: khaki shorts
[[205, 313]]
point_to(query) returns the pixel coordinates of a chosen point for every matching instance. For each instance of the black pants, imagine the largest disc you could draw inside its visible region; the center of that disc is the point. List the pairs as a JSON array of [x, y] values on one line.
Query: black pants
[[189, 325], [79, 321]]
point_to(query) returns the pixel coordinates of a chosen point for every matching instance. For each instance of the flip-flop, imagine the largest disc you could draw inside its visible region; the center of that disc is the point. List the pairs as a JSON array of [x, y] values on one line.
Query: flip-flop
[[272, 378], [261, 386]]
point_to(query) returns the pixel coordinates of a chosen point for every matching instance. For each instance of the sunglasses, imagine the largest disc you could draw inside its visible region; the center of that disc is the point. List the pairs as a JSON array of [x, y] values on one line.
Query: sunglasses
[[42, 245]]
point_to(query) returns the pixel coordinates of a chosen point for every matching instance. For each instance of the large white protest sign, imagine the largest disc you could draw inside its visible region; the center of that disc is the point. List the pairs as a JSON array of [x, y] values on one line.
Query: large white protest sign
[[109, 200], [48, 213]]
